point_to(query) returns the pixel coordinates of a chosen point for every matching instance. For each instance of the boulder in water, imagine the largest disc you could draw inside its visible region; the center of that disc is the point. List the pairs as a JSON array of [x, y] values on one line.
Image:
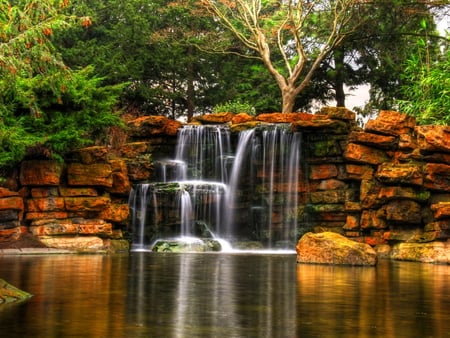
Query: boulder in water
[[333, 248]]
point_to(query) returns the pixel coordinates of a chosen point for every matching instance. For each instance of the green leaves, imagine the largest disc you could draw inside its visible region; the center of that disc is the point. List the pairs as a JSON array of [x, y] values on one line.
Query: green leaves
[[427, 89]]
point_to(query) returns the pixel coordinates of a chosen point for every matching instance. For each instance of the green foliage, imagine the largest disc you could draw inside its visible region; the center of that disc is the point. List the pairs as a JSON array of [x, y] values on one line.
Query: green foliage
[[235, 107], [426, 92], [46, 109]]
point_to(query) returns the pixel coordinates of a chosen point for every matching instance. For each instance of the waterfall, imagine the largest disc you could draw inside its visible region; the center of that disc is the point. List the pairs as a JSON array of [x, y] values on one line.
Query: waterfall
[[209, 190]]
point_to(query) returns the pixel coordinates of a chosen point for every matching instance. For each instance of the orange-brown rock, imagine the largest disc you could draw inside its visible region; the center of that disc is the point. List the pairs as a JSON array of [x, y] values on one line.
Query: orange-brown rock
[[391, 123], [352, 222], [338, 113], [44, 192], [323, 171], [121, 183], [372, 219], [441, 210], [216, 118], [329, 196], [87, 203], [287, 117], [93, 227], [325, 125], [99, 174], [368, 194], [364, 154], [436, 252], [38, 173], [437, 176], [390, 173], [117, 213], [139, 171], [45, 204], [11, 234], [171, 127], [333, 248], [89, 155], [403, 211], [30, 216], [79, 191], [373, 140], [241, 118], [52, 227], [332, 184], [359, 172], [13, 202], [147, 126], [387, 193], [134, 149], [78, 243], [4, 192], [433, 138]]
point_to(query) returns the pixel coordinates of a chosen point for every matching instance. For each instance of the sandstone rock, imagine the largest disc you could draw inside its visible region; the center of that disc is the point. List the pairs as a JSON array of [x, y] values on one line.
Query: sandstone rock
[[333, 248], [4, 192], [372, 219], [325, 125], [8, 215], [90, 155], [93, 227], [44, 192], [441, 210], [391, 173], [121, 183], [287, 118], [147, 126], [238, 127], [216, 118], [53, 227], [323, 171], [359, 172], [99, 174], [433, 138], [14, 203], [364, 154], [332, 184], [391, 123], [339, 113], [135, 149], [30, 216], [351, 223], [74, 192], [11, 294], [117, 213], [373, 140], [388, 193], [403, 211], [329, 196], [437, 176], [40, 173], [77, 243], [435, 252], [45, 204], [86, 203], [241, 118]]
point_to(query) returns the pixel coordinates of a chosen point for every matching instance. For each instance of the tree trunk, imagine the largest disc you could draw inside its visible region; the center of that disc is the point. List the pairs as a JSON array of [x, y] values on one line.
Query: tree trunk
[[338, 56], [288, 98]]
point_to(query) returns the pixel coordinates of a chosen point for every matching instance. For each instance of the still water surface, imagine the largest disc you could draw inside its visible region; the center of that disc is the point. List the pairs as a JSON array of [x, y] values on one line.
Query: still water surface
[[222, 295]]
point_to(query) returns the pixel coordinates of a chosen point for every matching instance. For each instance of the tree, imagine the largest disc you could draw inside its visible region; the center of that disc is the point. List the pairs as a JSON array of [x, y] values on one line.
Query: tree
[[426, 88], [46, 109], [302, 33]]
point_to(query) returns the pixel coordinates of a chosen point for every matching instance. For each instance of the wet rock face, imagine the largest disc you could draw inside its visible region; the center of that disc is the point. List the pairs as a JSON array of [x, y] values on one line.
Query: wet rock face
[[332, 248]]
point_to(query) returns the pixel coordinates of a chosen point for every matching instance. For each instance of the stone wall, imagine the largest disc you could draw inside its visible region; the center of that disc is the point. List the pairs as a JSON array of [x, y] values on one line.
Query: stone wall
[[387, 185]]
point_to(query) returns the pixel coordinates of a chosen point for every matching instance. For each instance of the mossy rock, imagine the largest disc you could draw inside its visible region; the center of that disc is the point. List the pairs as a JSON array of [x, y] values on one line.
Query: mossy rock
[[11, 294]]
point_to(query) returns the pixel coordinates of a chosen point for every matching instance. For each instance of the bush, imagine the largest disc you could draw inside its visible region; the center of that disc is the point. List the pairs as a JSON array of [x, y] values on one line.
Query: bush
[[235, 107]]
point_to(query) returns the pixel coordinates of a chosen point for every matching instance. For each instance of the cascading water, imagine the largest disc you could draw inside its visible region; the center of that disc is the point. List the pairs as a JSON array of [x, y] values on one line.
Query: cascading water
[[209, 190]]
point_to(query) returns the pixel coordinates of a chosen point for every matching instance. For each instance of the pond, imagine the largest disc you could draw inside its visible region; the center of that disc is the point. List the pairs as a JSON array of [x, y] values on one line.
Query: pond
[[222, 295]]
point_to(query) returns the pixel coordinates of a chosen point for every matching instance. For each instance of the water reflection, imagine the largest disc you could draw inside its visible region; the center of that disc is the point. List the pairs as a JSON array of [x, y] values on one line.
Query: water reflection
[[223, 295]]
